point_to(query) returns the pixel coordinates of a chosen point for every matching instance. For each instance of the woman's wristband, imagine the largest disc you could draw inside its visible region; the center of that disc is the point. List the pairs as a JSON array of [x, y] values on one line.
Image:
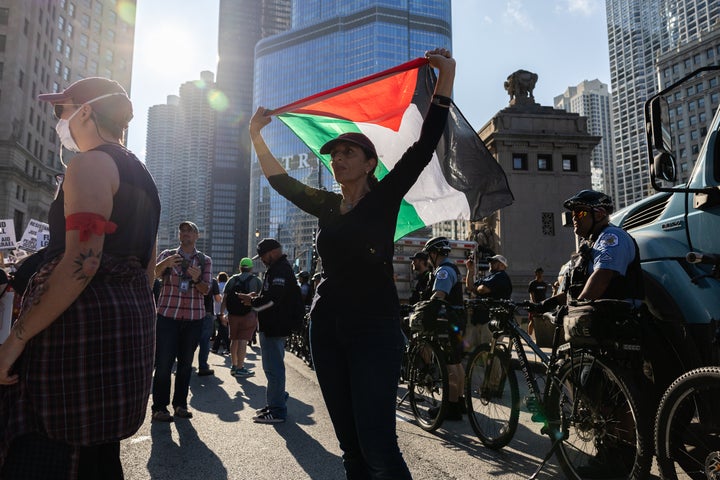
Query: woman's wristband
[[441, 101]]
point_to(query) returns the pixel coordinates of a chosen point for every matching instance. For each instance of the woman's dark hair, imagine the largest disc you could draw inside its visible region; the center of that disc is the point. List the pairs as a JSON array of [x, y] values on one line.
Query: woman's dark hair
[[222, 277], [371, 179], [111, 126]]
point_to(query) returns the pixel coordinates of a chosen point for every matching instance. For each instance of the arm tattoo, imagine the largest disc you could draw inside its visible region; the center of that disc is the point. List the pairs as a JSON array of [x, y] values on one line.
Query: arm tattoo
[[86, 266], [19, 328]]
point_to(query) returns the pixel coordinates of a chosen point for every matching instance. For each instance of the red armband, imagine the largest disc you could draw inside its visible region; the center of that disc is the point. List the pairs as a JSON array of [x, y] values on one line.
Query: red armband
[[88, 223]]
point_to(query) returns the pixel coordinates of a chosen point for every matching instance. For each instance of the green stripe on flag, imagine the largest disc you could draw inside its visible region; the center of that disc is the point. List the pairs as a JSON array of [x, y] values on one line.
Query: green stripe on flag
[[315, 131]]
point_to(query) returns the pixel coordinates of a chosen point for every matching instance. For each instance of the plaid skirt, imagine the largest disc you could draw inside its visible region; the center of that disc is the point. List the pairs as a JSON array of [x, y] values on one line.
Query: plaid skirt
[[85, 380]]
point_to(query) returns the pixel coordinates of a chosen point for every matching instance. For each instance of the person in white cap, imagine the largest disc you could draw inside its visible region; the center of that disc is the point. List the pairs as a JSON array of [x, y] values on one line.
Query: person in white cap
[[496, 284]]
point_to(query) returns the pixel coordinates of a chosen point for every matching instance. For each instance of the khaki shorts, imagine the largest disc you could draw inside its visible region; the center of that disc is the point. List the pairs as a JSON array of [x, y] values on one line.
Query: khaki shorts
[[242, 326]]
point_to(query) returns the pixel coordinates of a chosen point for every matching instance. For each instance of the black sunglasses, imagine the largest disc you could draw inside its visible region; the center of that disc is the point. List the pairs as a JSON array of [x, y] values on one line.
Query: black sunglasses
[[58, 108]]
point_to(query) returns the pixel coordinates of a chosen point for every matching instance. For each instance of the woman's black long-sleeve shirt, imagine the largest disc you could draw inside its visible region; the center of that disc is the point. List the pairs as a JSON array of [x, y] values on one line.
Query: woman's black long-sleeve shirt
[[357, 247]]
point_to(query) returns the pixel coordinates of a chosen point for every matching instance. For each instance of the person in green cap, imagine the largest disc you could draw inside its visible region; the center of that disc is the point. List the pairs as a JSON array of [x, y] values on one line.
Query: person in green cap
[[241, 319]]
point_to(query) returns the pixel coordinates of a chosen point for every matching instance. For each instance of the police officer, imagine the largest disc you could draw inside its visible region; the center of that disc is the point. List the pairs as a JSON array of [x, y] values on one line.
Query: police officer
[[607, 264], [446, 284], [422, 273]]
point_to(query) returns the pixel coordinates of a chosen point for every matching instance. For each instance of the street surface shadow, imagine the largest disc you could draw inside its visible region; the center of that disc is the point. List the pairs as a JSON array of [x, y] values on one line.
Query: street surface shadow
[[312, 457], [190, 455]]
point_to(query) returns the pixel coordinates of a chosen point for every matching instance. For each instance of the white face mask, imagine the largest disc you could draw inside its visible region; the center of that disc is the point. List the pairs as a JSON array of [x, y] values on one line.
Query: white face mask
[[63, 125], [63, 130]]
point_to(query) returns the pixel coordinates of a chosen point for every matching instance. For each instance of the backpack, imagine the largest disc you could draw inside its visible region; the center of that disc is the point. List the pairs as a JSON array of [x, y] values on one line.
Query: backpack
[[233, 303]]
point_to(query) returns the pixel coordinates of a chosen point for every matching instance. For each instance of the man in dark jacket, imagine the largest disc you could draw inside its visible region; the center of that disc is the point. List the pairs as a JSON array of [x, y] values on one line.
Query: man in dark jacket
[[277, 306]]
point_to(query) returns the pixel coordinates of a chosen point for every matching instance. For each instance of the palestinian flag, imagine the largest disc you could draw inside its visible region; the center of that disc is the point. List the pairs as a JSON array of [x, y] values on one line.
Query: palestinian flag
[[462, 182]]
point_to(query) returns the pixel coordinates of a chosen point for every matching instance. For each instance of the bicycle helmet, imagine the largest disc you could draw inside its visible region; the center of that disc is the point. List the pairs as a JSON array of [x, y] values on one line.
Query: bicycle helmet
[[589, 199], [439, 245]]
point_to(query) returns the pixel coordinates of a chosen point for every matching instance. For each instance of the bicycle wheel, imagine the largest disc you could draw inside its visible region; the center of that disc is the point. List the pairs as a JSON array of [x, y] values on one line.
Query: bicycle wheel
[[492, 396], [687, 427], [428, 385], [595, 408]]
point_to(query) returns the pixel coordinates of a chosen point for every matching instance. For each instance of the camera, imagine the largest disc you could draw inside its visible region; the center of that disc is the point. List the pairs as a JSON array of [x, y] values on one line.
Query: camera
[[185, 264]]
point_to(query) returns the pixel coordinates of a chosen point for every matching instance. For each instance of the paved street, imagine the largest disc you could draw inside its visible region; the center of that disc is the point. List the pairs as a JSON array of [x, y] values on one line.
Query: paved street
[[222, 442]]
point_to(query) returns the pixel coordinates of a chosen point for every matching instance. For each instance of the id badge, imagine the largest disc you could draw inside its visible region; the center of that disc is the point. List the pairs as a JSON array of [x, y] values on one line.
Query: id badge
[[184, 286]]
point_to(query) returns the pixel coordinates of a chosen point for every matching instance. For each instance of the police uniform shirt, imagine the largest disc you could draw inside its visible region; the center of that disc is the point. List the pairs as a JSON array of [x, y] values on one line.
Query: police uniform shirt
[[613, 250], [445, 278]]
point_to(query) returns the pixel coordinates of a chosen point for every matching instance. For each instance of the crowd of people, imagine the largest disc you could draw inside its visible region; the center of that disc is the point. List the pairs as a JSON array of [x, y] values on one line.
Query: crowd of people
[[89, 312]]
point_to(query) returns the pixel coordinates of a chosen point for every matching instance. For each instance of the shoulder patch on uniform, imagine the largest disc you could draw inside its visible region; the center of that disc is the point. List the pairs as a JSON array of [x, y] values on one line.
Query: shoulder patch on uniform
[[279, 281], [442, 274], [610, 240]]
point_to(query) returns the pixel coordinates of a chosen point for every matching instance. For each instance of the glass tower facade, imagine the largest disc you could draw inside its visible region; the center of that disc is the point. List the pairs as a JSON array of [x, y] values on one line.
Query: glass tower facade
[[331, 42], [638, 33], [241, 24]]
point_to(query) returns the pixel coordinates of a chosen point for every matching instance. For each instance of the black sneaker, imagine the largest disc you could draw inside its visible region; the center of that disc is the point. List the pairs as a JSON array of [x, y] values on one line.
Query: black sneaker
[[162, 416], [206, 372]]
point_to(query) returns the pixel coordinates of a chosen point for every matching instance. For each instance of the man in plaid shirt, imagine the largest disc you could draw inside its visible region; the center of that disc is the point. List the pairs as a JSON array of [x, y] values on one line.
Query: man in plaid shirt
[[186, 276]]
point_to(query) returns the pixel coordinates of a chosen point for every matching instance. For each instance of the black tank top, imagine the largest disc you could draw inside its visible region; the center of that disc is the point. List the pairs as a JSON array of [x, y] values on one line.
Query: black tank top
[[136, 211]]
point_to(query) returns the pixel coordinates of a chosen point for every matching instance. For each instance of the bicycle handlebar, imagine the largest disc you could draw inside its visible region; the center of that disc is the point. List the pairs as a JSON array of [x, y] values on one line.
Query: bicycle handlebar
[[500, 302]]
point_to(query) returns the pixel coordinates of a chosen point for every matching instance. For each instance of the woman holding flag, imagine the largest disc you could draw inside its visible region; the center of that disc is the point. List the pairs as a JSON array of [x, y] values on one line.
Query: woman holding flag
[[355, 326]]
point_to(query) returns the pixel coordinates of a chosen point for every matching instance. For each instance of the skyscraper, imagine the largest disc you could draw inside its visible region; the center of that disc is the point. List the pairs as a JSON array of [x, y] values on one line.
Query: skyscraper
[[45, 46], [330, 43], [639, 32], [591, 99], [180, 154], [242, 24]]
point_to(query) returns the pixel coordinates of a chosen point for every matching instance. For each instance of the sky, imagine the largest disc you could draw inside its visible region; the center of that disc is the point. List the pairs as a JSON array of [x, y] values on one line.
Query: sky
[[563, 41]]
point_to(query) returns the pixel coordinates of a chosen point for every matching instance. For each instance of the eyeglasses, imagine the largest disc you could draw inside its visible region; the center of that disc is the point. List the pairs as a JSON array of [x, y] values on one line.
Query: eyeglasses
[[58, 108], [580, 214]]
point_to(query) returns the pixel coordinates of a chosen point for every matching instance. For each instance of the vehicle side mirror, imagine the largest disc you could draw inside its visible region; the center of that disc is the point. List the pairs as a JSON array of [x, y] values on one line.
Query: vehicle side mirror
[[660, 132], [664, 167]]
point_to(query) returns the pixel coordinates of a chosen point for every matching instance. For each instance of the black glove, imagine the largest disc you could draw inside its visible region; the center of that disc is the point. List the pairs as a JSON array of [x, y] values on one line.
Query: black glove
[[535, 307], [548, 305]]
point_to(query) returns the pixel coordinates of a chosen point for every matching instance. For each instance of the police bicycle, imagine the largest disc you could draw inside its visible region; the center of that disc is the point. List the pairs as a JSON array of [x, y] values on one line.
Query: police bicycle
[[424, 364], [687, 425], [587, 404], [298, 342]]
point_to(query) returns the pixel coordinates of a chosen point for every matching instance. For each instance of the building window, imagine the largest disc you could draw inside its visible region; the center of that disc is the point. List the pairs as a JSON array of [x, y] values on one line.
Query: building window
[[4, 14], [61, 23], [68, 52], [519, 161], [3, 39], [544, 162], [71, 9], [569, 163], [713, 82], [694, 149], [19, 220], [548, 224], [714, 97], [84, 40]]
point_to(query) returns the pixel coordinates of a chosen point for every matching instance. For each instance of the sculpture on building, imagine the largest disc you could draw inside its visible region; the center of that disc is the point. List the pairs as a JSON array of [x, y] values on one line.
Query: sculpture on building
[[520, 86]]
